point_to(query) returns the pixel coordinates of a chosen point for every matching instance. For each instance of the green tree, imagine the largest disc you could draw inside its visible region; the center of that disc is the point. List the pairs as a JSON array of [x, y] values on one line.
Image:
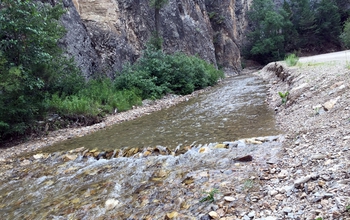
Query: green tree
[[345, 36], [328, 25], [344, 10], [30, 61], [304, 21], [266, 36], [157, 5], [290, 33]]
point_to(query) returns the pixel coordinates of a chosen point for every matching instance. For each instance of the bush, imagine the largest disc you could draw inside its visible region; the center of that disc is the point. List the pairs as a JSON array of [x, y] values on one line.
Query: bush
[[30, 62], [291, 60], [156, 74]]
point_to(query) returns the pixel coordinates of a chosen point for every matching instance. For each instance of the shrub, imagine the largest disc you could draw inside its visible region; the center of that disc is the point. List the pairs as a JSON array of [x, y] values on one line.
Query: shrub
[[291, 60], [30, 62], [156, 74]]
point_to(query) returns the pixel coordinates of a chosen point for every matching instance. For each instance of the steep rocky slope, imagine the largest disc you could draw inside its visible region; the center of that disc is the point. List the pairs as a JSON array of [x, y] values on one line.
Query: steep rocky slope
[[105, 34]]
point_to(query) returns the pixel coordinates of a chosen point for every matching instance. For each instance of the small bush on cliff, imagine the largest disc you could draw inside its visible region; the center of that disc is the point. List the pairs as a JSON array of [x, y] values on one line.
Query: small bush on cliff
[[156, 74]]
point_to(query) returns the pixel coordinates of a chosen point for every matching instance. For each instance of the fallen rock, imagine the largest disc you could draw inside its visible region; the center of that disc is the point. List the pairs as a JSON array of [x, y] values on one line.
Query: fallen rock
[[221, 146], [301, 180], [229, 198], [111, 204], [214, 215], [69, 157], [172, 215], [330, 104]]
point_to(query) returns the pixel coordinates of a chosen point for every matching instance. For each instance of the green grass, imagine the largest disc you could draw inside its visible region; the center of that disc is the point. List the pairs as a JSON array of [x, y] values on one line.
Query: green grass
[[284, 96], [291, 60], [347, 65], [210, 196], [314, 64], [98, 97]]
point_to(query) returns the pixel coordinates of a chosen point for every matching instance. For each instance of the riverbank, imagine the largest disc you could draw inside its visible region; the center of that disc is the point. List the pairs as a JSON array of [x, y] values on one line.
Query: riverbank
[[53, 137], [311, 178]]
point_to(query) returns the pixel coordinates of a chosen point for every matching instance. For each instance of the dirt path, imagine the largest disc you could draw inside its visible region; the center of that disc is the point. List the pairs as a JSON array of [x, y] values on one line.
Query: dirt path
[[328, 57]]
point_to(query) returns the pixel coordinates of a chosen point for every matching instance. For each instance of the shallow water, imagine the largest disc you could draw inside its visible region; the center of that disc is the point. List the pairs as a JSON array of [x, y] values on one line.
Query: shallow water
[[235, 109], [138, 187], [66, 185]]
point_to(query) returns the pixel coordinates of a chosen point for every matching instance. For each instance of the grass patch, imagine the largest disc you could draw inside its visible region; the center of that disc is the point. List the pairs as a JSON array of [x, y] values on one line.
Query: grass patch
[[210, 196], [284, 96], [97, 98], [314, 64], [291, 60], [347, 65]]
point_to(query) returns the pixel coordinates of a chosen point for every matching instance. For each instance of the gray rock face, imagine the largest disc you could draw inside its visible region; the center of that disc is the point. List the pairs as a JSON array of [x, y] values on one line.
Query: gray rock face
[[77, 41], [103, 35]]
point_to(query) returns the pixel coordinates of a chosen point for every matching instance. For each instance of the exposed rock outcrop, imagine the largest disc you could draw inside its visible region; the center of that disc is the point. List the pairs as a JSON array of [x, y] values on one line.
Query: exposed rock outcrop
[[110, 33]]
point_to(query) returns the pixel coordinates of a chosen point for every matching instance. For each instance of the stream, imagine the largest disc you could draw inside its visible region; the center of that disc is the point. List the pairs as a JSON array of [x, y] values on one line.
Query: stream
[[216, 127], [230, 111]]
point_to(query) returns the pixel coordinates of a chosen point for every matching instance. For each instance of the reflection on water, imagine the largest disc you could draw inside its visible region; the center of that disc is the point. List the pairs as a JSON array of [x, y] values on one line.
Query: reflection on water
[[229, 111]]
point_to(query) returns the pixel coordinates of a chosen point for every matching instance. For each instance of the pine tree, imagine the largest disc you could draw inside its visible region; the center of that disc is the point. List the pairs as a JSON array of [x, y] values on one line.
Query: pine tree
[[328, 25], [266, 37]]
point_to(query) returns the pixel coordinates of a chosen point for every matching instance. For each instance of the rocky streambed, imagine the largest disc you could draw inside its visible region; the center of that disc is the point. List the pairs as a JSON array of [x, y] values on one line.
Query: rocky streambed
[[137, 183]]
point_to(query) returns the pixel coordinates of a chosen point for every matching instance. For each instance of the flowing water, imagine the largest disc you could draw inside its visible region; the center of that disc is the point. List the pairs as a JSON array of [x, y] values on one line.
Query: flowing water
[[67, 185], [230, 111]]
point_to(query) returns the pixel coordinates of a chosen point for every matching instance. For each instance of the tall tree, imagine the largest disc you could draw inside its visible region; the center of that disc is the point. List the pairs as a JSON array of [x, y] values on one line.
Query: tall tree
[[266, 35], [289, 31], [345, 36], [328, 25], [304, 21], [30, 61], [344, 10]]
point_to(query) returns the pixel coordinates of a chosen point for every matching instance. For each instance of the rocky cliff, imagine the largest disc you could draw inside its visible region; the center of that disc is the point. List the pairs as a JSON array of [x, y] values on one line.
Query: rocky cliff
[[103, 35]]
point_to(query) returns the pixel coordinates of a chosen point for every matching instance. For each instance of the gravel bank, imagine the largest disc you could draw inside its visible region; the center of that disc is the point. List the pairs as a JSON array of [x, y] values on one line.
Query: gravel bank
[[311, 178]]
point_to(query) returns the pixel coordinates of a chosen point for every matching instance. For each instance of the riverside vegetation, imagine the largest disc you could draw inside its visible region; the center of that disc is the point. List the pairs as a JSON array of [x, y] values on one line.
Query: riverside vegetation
[[37, 80]]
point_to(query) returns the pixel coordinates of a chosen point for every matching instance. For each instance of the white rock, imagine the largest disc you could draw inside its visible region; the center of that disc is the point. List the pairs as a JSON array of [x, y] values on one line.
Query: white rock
[[251, 214], [330, 104], [111, 204], [38, 156], [287, 209], [214, 215], [301, 180], [283, 174], [229, 198], [318, 157], [273, 192]]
